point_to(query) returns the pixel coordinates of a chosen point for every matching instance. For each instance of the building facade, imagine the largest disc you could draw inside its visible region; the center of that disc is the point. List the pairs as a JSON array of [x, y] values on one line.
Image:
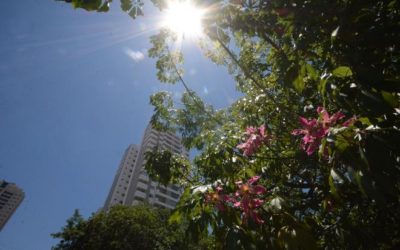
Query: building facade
[[10, 198], [122, 179], [139, 187]]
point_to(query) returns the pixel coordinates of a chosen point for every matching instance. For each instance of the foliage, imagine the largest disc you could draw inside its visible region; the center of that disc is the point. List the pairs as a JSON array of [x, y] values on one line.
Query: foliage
[[166, 167], [138, 227], [337, 187], [72, 232]]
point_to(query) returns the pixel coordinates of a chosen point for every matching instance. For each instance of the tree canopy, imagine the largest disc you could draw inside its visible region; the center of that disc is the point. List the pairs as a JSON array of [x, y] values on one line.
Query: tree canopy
[[138, 227], [309, 156]]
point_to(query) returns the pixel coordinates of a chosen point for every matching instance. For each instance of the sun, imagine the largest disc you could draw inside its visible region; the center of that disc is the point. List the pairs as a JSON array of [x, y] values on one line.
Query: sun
[[183, 18]]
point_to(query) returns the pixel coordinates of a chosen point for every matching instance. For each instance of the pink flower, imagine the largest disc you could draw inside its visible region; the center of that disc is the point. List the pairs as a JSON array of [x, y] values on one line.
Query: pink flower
[[253, 180], [313, 133], [315, 130], [246, 199], [256, 137], [329, 121], [350, 122], [218, 198]]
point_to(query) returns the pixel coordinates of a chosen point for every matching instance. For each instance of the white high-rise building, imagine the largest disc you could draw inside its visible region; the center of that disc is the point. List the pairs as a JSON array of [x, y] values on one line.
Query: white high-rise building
[[10, 198], [132, 184], [122, 179]]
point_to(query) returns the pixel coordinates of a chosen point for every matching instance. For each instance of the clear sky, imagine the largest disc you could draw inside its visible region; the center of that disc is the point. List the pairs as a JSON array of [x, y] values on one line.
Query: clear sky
[[74, 93]]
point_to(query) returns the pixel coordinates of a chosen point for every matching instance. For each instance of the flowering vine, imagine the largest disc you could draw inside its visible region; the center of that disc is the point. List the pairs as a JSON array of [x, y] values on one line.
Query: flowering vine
[[255, 138], [314, 130]]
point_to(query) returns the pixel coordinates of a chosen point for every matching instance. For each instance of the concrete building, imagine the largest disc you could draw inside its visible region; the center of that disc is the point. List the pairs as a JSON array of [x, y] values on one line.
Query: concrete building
[[122, 179], [10, 198], [139, 187]]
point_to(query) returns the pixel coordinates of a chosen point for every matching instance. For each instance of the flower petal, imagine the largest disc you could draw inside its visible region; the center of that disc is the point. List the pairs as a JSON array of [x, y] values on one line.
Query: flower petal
[[237, 204], [251, 130], [303, 121], [323, 114], [253, 179], [262, 130], [335, 117], [257, 202], [258, 189], [349, 122]]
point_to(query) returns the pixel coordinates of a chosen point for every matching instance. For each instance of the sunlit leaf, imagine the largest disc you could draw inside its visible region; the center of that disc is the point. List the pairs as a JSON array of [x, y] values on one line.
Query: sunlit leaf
[[342, 72]]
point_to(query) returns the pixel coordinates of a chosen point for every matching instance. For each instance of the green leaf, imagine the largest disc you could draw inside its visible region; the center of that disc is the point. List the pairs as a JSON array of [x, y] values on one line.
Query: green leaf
[[126, 5], [342, 72], [390, 99], [341, 143], [365, 121], [299, 82], [89, 5], [322, 86], [332, 186], [311, 72], [176, 217]]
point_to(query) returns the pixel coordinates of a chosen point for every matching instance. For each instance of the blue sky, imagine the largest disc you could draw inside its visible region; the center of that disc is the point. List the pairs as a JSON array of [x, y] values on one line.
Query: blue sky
[[74, 93]]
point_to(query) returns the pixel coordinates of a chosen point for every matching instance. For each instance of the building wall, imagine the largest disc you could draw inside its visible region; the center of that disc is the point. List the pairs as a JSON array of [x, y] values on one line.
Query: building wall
[[122, 179], [10, 198]]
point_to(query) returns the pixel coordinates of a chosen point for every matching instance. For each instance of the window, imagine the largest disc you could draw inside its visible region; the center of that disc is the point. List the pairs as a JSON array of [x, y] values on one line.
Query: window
[[6, 196], [171, 202], [139, 198], [161, 199]]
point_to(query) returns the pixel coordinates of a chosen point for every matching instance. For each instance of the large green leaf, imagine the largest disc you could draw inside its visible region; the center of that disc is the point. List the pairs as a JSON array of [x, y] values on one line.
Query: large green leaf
[[342, 72]]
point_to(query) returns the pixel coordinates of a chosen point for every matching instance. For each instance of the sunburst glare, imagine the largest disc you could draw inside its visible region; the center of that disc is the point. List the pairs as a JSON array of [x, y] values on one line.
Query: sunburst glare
[[184, 19]]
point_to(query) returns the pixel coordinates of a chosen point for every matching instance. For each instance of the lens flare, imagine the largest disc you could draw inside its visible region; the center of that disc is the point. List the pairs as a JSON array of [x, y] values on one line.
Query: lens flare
[[183, 18]]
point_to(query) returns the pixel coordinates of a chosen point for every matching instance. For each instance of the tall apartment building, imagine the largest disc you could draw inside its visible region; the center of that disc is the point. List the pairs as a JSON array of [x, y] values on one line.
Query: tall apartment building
[[132, 184], [10, 198], [122, 179]]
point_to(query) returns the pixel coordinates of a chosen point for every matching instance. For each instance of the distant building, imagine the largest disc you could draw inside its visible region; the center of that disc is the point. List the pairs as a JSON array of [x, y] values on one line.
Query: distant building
[[122, 179], [10, 198], [132, 184]]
